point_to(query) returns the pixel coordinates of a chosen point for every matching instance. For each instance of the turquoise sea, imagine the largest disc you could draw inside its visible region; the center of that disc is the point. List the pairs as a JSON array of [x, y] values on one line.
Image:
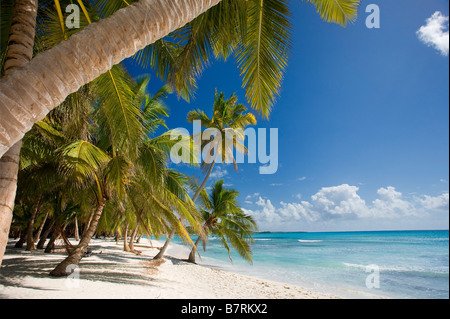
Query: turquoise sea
[[375, 264]]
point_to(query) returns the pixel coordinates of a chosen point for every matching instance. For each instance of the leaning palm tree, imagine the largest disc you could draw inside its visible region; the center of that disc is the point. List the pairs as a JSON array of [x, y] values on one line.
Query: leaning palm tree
[[131, 174], [229, 119], [15, 54], [225, 219]]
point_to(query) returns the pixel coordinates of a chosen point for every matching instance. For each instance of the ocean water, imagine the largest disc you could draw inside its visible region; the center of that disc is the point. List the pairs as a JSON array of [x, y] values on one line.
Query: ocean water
[[378, 264]]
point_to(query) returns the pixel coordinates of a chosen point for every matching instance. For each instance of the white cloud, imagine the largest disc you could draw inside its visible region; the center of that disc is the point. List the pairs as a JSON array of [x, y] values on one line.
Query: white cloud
[[218, 172], [436, 203], [276, 184], [435, 33], [344, 203], [301, 178], [254, 195], [339, 201], [391, 204], [330, 203], [267, 212]]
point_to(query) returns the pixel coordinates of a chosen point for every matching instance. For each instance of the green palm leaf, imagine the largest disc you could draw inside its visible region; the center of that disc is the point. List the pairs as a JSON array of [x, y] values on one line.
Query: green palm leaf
[[80, 163], [337, 11], [107, 7], [263, 57], [119, 113]]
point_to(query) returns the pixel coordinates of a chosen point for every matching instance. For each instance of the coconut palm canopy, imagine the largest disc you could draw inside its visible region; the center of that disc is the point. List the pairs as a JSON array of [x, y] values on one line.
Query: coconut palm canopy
[[224, 218], [256, 32]]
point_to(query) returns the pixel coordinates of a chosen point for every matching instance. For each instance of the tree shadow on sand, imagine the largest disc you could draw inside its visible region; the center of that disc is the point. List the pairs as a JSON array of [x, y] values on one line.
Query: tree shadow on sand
[[115, 266]]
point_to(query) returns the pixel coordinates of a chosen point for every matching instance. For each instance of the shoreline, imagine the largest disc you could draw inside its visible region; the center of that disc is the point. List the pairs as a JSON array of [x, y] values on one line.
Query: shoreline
[[111, 273]]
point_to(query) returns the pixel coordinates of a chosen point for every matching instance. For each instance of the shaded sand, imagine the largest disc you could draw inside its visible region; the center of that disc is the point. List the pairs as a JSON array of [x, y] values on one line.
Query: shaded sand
[[112, 273]]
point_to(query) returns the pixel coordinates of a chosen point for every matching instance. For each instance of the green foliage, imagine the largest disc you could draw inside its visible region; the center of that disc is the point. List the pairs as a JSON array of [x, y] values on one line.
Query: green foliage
[[224, 218]]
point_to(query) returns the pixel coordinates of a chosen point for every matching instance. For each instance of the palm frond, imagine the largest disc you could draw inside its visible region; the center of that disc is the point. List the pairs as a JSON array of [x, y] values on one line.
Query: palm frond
[[106, 8], [118, 174], [81, 160], [119, 114], [263, 56], [337, 11]]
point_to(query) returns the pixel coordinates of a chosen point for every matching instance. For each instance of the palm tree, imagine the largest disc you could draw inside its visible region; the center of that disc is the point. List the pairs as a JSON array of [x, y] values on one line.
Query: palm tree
[[230, 119], [54, 74], [132, 175], [18, 53], [225, 219]]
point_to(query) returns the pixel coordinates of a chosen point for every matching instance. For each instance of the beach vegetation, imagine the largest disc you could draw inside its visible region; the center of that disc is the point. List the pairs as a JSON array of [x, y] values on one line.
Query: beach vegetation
[[224, 218], [83, 126]]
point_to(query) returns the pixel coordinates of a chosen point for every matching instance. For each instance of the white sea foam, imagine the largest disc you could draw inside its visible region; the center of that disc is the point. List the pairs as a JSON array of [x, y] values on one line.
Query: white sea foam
[[418, 269], [309, 241]]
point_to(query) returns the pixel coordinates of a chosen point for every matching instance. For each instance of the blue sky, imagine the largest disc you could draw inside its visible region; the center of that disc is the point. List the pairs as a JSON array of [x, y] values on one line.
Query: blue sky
[[363, 120]]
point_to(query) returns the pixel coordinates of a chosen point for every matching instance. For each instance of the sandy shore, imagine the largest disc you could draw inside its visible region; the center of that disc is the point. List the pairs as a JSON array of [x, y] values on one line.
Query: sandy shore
[[112, 273]]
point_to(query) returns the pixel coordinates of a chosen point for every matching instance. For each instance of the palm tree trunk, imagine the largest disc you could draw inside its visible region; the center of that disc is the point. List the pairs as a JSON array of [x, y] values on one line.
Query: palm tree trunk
[[77, 232], [125, 238], [44, 236], [75, 256], [41, 227], [197, 193], [133, 235], [163, 249], [21, 37], [19, 53], [22, 239], [55, 235], [54, 74], [86, 228], [30, 239], [193, 251]]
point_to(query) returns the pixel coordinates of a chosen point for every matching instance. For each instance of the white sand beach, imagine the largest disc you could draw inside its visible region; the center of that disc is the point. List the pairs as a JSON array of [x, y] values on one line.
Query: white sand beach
[[111, 273]]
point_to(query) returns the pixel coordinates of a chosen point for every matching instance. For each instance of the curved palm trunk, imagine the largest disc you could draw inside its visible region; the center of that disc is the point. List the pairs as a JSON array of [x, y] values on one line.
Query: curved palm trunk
[[76, 231], [86, 228], [30, 238], [197, 193], [22, 239], [125, 238], [75, 256], [29, 93], [20, 52], [44, 236], [132, 237], [193, 251], [163, 249], [41, 227], [51, 243]]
